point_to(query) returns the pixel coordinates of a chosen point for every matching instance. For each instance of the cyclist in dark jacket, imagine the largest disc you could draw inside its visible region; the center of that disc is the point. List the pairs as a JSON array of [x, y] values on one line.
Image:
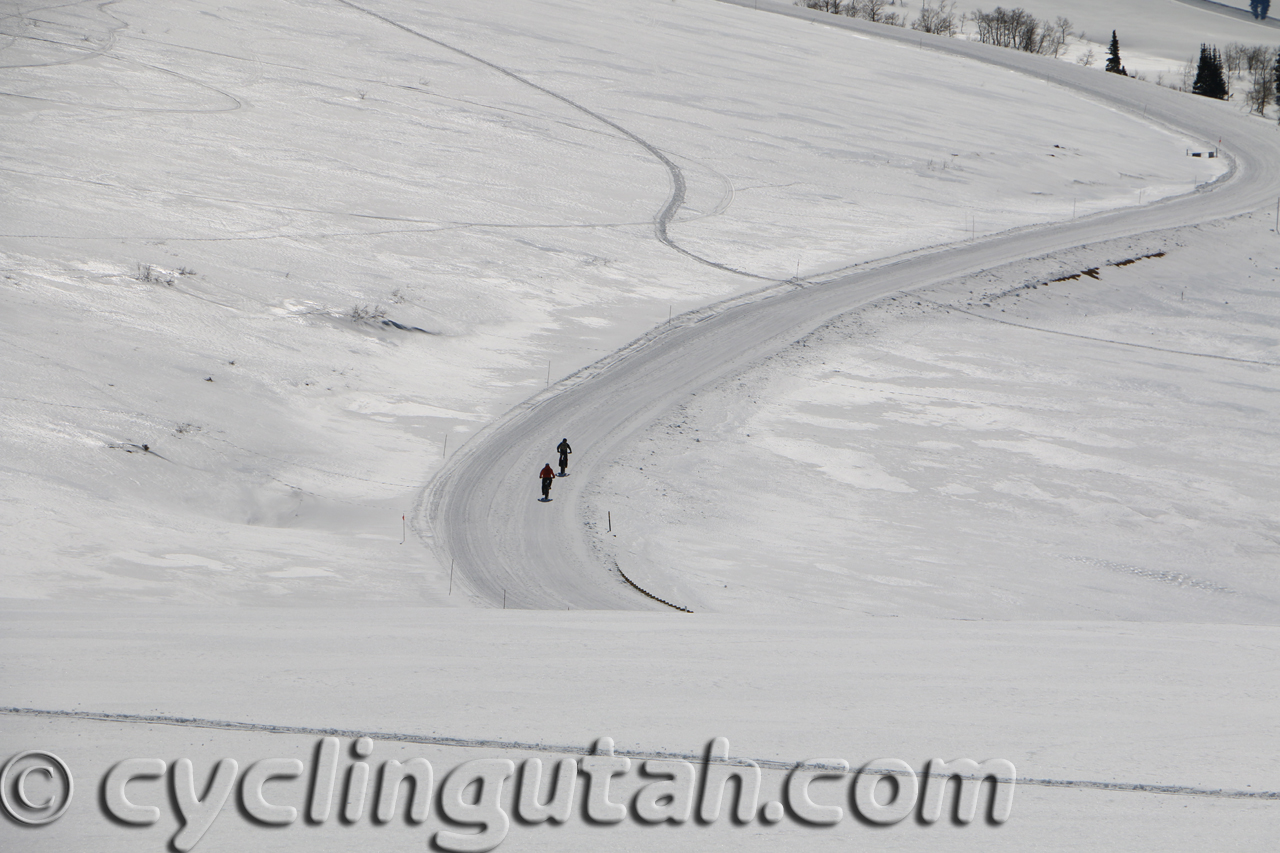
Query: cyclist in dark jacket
[[564, 450]]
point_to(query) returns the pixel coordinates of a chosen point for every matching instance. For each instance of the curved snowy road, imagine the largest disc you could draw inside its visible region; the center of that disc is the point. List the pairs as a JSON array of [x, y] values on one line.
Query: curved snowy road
[[482, 507]]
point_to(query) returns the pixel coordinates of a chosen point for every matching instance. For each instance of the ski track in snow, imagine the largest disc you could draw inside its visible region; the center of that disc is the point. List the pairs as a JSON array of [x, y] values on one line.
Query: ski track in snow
[[89, 53], [559, 749], [674, 203], [103, 51], [509, 548]]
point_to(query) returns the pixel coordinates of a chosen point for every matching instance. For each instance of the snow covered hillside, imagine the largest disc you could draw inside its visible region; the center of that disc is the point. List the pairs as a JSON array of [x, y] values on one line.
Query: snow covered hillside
[[273, 274], [1008, 445], [208, 216]]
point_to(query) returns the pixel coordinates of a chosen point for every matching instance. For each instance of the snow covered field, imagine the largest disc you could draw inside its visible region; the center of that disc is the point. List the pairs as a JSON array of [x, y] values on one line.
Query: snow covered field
[[344, 181], [210, 435], [1082, 705], [976, 463]]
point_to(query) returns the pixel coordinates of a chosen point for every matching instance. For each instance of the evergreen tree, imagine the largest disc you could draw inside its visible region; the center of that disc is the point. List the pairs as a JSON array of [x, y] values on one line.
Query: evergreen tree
[[1113, 58], [1209, 79], [1259, 8]]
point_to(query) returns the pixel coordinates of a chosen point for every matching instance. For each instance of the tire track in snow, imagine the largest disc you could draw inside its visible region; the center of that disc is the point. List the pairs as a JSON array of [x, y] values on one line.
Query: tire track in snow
[[674, 203], [562, 749]]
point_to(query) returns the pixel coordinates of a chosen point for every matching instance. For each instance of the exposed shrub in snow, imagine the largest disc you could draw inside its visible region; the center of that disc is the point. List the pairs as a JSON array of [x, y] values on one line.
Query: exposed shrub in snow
[[365, 314], [152, 275]]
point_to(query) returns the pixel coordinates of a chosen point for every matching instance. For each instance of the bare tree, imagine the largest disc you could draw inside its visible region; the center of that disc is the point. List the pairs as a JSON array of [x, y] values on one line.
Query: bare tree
[[1233, 57], [1061, 31], [1258, 57], [1015, 28], [939, 20], [1063, 27], [1262, 90], [871, 10], [1188, 74]]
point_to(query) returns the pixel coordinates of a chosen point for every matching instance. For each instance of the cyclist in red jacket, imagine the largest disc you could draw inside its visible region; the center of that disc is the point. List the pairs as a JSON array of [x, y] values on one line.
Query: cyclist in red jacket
[[547, 475]]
